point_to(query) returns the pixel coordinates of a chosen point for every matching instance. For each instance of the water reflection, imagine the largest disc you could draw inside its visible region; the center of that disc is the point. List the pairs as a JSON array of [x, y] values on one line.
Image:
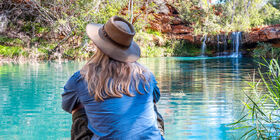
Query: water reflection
[[199, 97], [30, 101]]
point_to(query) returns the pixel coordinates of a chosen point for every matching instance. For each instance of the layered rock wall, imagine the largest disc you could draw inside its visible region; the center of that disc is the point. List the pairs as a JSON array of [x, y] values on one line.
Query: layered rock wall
[[171, 24]]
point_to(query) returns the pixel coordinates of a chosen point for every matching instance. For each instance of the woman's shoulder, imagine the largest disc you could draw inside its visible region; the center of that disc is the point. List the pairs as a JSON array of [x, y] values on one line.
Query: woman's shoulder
[[152, 77], [148, 74], [74, 79]]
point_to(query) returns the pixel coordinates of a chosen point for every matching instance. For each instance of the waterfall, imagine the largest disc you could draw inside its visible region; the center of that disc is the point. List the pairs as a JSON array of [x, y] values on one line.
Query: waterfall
[[225, 44], [236, 40], [203, 46], [218, 44], [3, 22]]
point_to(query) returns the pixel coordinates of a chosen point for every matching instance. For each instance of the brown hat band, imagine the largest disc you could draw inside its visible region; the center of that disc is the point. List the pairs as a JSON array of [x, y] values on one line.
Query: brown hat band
[[105, 34]]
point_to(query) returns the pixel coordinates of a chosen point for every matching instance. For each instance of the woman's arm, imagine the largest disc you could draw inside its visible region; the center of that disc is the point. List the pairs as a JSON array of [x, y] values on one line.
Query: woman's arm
[[70, 99]]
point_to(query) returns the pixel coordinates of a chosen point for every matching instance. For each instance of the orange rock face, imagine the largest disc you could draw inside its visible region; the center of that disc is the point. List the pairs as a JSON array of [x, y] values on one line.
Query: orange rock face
[[171, 24], [165, 28], [271, 35], [262, 34], [188, 37], [178, 29], [253, 36]]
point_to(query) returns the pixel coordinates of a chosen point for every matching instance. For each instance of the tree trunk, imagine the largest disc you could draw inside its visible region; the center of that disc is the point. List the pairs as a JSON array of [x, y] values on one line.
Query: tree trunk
[[233, 8], [131, 11]]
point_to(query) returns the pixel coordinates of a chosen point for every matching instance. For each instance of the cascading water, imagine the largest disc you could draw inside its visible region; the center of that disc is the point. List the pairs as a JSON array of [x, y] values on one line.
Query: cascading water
[[225, 43], [222, 45], [218, 44], [3, 22], [203, 46], [236, 40]]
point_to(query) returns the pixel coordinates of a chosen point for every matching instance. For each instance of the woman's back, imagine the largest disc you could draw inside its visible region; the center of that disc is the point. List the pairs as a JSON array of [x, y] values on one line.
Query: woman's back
[[117, 118]]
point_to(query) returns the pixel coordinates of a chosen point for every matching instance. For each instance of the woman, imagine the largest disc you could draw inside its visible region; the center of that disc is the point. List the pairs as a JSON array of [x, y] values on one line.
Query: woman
[[113, 96]]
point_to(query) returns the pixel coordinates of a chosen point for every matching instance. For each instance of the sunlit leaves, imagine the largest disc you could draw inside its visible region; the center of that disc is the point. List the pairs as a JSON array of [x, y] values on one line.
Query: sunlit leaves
[[228, 15]]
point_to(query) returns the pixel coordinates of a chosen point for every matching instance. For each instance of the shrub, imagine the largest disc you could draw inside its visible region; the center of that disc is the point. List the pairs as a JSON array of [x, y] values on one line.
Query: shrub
[[11, 52], [266, 50]]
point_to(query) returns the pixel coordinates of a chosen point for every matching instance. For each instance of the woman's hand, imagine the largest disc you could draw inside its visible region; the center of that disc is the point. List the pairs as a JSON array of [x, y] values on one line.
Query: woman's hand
[[80, 106]]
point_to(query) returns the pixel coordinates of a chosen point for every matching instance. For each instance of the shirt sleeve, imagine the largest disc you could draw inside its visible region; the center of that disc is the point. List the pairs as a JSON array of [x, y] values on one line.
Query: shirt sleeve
[[69, 96], [156, 92]]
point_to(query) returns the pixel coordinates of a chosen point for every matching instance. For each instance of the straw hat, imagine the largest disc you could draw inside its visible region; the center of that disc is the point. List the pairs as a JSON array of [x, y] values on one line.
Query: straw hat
[[115, 39]]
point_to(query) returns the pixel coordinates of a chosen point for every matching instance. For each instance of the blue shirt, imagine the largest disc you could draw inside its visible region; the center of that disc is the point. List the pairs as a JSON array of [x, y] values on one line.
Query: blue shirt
[[125, 118]]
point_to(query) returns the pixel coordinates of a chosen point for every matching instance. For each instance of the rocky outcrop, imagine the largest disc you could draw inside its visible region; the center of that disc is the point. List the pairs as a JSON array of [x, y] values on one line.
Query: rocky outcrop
[[171, 24], [262, 34]]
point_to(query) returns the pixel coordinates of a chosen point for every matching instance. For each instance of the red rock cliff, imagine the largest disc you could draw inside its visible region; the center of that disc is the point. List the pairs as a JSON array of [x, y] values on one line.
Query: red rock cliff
[[169, 22]]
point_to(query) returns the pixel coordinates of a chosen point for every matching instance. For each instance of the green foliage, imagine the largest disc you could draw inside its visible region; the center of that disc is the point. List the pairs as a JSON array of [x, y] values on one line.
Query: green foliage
[[153, 32], [11, 52], [273, 14], [89, 11], [262, 104], [61, 22], [153, 44], [75, 53], [227, 16], [11, 41], [149, 51], [183, 48], [266, 50], [70, 52], [42, 51]]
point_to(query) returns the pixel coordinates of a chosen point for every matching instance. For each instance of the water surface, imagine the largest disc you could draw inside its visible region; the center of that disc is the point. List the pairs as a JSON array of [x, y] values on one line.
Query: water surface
[[200, 96]]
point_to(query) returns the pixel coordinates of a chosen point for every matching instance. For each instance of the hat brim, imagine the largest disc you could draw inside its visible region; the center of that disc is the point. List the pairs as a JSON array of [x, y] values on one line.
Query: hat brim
[[110, 48]]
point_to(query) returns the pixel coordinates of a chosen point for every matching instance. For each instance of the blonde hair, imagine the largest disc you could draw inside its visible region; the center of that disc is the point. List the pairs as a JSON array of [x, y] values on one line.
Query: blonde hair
[[109, 78]]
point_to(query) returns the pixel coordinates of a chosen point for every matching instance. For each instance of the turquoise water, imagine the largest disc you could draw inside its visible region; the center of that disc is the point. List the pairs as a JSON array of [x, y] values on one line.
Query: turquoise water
[[200, 96]]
